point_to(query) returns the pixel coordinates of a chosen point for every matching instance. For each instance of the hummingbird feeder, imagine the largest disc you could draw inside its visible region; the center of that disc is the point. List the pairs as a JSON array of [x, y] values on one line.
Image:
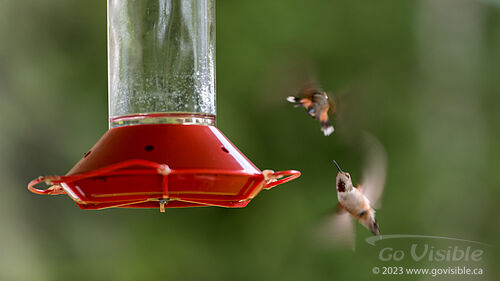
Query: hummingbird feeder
[[162, 148]]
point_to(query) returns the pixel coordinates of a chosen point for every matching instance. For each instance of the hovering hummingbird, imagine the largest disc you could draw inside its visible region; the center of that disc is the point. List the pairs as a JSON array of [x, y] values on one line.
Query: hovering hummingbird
[[357, 201], [317, 105], [352, 200]]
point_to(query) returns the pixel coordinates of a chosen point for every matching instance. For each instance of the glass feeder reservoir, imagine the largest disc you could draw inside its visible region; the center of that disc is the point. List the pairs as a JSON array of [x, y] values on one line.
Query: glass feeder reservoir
[[161, 60], [162, 148]]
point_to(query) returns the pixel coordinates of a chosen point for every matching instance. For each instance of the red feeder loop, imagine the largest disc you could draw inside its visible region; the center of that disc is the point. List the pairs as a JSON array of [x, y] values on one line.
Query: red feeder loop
[[162, 149]]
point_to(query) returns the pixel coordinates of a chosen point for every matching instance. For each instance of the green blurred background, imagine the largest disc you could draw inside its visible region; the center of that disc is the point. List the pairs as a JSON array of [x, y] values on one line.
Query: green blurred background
[[422, 76]]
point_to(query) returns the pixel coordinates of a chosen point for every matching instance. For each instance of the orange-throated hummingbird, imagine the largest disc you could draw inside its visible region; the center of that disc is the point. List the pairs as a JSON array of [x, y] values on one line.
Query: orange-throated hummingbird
[[357, 201], [354, 202]]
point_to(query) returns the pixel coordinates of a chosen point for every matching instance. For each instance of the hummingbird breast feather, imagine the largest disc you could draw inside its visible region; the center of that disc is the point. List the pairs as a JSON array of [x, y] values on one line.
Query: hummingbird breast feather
[[354, 202]]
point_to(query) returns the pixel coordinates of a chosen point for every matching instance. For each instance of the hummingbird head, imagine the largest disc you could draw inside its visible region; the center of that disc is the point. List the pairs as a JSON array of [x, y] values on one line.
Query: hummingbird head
[[344, 182]]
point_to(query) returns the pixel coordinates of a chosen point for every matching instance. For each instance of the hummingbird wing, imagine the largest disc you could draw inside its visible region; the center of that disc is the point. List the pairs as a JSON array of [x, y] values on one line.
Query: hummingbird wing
[[337, 230], [332, 102], [375, 169]]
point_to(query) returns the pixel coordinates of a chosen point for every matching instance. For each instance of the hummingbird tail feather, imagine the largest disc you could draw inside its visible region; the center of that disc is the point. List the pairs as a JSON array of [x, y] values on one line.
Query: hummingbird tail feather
[[296, 101], [327, 128], [375, 228]]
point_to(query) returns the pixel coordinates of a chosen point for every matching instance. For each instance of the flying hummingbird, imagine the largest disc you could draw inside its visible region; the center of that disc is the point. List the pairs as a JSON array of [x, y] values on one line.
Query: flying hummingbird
[[357, 201], [353, 201], [317, 105]]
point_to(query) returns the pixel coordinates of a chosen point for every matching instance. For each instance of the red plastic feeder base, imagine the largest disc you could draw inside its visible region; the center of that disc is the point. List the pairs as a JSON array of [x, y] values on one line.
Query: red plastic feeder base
[[163, 166]]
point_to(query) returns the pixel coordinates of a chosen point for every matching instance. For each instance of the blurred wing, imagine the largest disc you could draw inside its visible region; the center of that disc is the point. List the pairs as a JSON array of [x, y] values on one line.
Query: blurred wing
[[310, 90], [337, 230], [375, 169], [332, 102]]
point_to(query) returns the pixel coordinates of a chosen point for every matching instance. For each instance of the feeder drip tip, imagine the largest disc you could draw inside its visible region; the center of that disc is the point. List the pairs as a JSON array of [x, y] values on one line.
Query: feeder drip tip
[[163, 203]]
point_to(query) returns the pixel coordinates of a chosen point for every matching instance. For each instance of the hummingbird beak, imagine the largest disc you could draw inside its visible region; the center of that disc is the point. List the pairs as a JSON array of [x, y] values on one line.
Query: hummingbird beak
[[338, 167]]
